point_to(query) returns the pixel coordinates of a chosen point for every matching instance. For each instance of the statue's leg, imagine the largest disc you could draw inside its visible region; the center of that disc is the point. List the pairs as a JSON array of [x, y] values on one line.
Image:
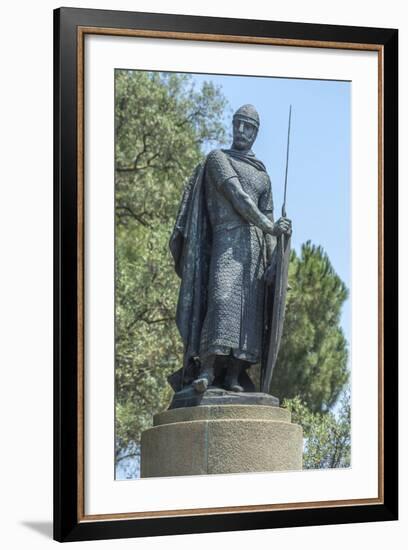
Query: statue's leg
[[231, 378], [206, 376]]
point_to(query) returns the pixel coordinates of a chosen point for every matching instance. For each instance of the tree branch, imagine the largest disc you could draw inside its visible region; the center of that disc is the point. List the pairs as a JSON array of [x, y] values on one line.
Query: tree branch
[[130, 212], [139, 155]]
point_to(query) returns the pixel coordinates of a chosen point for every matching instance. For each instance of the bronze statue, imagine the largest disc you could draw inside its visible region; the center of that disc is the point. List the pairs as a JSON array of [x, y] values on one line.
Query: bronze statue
[[232, 260]]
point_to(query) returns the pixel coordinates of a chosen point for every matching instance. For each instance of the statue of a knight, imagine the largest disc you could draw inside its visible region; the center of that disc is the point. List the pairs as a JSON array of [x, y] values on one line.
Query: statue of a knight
[[223, 244]]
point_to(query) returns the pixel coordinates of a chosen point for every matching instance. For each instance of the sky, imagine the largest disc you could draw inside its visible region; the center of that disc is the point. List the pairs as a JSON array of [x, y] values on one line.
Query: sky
[[318, 189]]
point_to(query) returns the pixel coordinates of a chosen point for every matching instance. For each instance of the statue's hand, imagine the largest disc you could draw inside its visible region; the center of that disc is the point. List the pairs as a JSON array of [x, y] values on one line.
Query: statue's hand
[[269, 274], [283, 225]]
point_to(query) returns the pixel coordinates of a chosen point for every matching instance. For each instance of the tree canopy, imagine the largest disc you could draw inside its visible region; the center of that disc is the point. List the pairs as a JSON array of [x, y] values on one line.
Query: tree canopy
[[161, 124], [327, 435]]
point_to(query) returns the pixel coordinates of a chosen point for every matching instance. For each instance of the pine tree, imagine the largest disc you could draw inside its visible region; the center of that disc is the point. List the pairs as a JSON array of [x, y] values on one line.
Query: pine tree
[[312, 362]]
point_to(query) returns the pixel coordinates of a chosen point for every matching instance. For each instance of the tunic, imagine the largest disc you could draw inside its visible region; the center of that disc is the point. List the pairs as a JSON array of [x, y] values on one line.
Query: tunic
[[237, 194]]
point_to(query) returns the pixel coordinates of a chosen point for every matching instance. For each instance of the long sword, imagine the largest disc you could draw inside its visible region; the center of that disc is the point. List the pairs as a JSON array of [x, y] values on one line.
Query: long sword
[[278, 311], [287, 164]]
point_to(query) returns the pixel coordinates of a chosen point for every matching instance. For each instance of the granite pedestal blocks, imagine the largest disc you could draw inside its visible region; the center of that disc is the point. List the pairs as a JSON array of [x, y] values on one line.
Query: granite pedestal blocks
[[221, 439]]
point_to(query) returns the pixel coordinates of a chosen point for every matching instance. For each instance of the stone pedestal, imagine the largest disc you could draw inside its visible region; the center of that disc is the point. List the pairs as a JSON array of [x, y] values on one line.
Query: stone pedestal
[[221, 439]]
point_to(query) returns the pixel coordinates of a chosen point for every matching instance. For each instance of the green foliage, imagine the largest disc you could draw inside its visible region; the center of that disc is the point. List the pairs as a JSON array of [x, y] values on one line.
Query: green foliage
[[326, 435], [312, 361], [161, 123]]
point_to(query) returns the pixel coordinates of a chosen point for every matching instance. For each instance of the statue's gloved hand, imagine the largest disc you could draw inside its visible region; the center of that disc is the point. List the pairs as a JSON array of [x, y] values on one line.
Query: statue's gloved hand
[[283, 225], [269, 274]]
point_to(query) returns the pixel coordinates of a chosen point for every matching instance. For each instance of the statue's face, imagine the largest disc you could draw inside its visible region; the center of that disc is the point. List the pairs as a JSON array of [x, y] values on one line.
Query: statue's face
[[244, 134]]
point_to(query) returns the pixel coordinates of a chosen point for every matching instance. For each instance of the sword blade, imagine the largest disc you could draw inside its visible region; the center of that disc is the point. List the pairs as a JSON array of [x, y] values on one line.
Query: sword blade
[[287, 165]]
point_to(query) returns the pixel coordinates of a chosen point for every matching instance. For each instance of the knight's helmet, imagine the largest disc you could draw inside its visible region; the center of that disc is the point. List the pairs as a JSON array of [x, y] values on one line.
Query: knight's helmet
[[248, 113]]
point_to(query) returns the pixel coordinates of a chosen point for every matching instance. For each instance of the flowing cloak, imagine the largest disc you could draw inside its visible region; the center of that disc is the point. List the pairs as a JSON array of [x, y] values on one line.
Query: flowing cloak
[[191, 248]]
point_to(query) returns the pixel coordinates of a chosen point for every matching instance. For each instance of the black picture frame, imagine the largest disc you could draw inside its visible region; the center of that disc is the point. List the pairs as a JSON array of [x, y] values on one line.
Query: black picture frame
[[69, 524]]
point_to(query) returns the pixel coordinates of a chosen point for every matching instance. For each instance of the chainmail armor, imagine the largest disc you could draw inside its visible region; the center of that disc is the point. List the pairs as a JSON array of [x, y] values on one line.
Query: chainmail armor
[[235, 294]]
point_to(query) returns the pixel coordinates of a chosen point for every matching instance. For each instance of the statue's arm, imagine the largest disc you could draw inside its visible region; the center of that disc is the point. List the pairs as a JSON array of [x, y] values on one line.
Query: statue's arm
[[245, 206], [266, 207], [229, 184]]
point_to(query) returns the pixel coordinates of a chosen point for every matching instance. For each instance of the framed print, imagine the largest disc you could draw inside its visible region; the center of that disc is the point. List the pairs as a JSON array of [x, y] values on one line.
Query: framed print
[[225, 274]]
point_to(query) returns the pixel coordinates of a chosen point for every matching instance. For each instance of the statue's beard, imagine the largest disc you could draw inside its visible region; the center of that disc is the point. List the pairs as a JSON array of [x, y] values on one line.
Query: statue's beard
[[242, 143]]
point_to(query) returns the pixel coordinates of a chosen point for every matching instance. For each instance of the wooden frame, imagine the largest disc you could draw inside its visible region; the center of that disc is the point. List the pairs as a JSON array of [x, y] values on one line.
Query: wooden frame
[[70, 27]]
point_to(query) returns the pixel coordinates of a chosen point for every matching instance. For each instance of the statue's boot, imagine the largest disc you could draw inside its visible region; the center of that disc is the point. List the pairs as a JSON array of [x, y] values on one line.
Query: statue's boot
[[231, 378], [205, 378]]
